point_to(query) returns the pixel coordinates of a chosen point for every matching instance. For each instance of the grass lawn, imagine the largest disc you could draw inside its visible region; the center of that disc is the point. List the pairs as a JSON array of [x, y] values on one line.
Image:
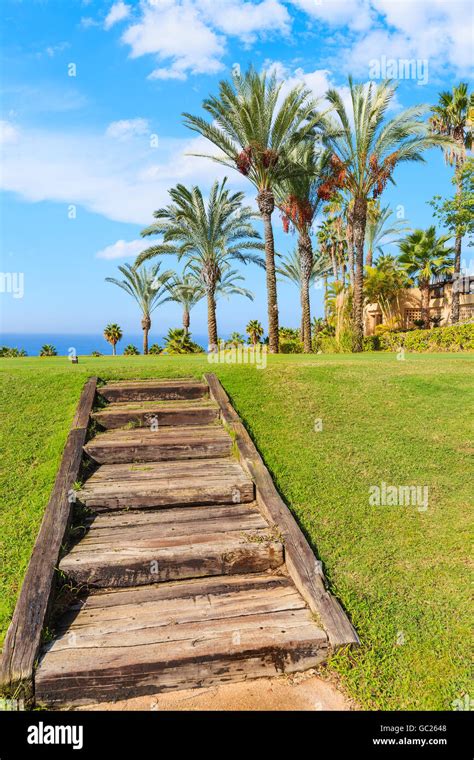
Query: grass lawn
[[402, 574]]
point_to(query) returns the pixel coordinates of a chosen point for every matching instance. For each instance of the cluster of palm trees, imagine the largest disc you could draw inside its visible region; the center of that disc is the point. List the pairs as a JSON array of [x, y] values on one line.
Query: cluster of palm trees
[[302, 161]]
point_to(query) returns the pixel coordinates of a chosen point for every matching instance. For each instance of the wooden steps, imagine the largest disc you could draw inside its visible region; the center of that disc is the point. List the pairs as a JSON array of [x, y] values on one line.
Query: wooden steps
[[179, 543], [154, 390], [193, 633], [166, 443], [188, 581], [167, 484], [199, 411]]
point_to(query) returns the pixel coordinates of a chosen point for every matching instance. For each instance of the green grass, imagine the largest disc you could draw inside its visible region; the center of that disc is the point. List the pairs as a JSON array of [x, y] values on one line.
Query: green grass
[[403, 575]]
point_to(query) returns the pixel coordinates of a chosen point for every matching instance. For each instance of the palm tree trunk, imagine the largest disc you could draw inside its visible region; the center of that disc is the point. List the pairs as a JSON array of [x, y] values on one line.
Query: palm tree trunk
[[113, 349], [186, 320], [456, 280], [266, 204], [211, 319], [350, 249], [146, 325], [325, 298], [302, 316], [360, 220], [425, 302], [369, 257], [306, 259]]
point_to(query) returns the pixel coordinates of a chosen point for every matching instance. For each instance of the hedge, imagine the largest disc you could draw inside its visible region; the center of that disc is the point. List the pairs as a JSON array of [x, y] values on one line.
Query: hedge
[[451, 338]]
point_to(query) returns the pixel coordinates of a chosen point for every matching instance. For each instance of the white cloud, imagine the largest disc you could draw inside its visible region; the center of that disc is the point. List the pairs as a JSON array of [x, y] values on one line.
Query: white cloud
[[94, 172], [173, 30], [246, 19], [87, 22], [125, 129], [118, 12], [437, 30], [354, 13], [189, 36], [51, 50], [123, 249], [8, 133]]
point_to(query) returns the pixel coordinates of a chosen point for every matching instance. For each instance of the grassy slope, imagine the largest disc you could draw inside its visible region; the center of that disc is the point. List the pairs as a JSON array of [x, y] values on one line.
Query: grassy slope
[[401, 574]]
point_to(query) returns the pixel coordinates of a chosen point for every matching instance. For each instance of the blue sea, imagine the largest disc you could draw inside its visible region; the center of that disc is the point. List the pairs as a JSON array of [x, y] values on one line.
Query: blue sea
[[82, 344]]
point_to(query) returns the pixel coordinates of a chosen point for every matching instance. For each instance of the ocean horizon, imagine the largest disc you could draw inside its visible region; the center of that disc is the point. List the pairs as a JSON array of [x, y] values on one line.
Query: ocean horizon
[[82, 343]]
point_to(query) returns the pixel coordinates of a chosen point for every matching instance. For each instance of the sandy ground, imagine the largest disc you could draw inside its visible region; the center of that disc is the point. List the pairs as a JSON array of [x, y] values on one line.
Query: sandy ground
[[300, 692]]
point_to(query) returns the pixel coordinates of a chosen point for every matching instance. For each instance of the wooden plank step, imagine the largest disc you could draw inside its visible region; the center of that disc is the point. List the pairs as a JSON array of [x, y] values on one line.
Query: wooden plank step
[[162, 484], [143, 414], [117, 527], [238, 544], [166, 443], [194, 633], [152, 390]]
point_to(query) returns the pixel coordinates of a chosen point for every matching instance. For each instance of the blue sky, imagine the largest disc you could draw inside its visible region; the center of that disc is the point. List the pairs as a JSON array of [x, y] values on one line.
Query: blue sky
[[86, 158]]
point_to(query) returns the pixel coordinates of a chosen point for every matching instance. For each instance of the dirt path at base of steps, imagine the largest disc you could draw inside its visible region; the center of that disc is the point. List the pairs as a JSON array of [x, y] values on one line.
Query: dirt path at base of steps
[[302, 692]]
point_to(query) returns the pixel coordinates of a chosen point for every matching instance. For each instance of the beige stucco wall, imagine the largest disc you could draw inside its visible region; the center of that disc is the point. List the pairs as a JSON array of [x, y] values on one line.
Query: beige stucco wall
[[411, 303]]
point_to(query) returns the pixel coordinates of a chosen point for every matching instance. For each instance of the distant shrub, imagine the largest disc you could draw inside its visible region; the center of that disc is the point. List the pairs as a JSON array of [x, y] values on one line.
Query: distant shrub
[[291, 346], [290, 341], [11, 353], [452, 338], [155, 349], [131, 350], [372, 343], [178, 342], [96, 353], [48, 350], [289, 333]]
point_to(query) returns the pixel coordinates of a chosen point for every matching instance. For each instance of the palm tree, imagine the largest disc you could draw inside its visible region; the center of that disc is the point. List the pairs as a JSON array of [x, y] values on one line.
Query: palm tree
[[381, 229], [208, 236], [291, 268], [298, 200], [256, 128], [48, 350], [339, 222], [425, 257], [131, 350], [384, 283], [187, 291], [365, 156], [179, 342], [255, 331], [112, 335], [236, 340], [227, 285], [149, 290], [451, 117]]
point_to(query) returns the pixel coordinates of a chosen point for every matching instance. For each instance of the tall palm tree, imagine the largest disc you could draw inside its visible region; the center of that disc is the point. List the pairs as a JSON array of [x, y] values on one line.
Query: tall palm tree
[[256, 127], [451, 117], [112, 334], [365, 156], [208, 236], [187, 291], [339, 213], [298, 200], [291, 268], [382, 229], [424, 256], [148, 288], [254, 330]]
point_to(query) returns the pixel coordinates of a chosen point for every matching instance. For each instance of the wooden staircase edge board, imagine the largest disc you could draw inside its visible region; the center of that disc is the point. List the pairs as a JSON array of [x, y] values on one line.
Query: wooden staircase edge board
[[303, 567], [23, 638]]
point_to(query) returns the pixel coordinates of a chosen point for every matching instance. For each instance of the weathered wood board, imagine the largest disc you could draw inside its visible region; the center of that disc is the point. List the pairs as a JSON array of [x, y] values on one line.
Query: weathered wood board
[[23, 637]]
